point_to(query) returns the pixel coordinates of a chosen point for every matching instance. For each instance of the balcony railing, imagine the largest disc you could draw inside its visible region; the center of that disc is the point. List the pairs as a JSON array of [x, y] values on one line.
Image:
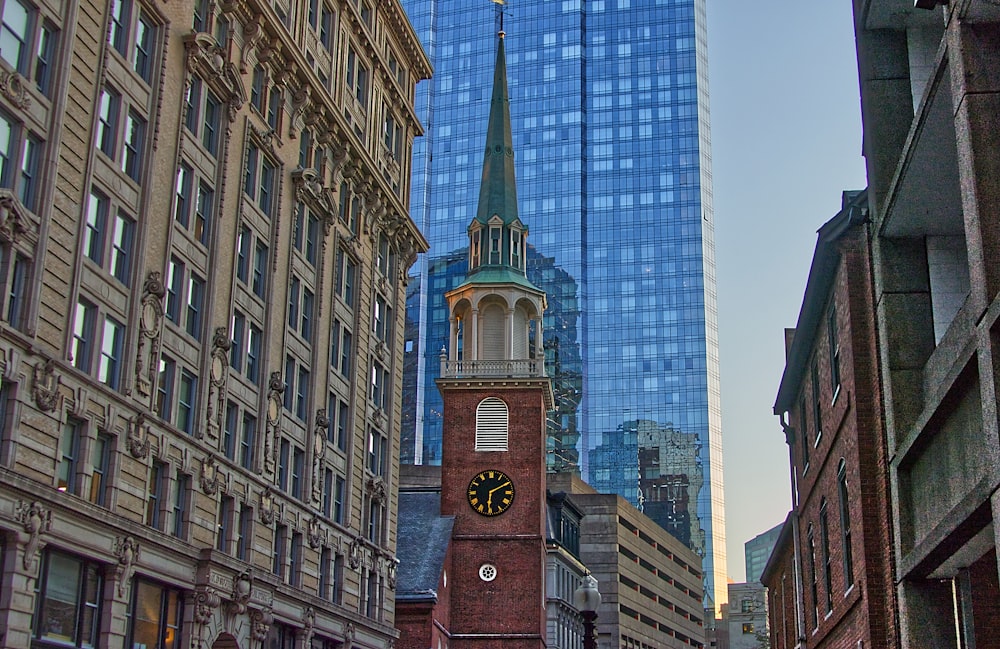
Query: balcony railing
[[522, 368]]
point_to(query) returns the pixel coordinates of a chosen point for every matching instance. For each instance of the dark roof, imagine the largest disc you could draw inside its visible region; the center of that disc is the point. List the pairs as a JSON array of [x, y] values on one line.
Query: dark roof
[[498, 191], [784, 539], [822, 272], [422, 542]]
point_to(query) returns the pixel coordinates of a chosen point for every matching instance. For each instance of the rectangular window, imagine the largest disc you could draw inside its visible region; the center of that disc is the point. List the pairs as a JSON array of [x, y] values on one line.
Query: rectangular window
[[274, 108], [293, 304], [224, 535], [327, 500], [312, 234], [325, 564], [182, 489], [203, 213], [68, 596], [338, 579], [210, 127], [142, 52], [343, 415], [95, 227], [340, 486], [345, 353], [326, 29], [195, 299], [243, 246], [284, 453], [186, 402], [155, 495], [257, 89], [182, 198], [132, 151], [834, 344], [289, 394], [237, 329], [230, 434], [248, 441], [824, 530], [121, 19], [17, 284], [100, 463], [27, 184], [298, 477], [245, 539], [121, 248], [280, 540], [305, 327], [108, 107], [295, 560], [817, 407], [253, 353], [175, 287], [153, 619], [302, 393], [112, 341], [192, 105], [84, 320], [259, 269], [69, 449], [165, 388]]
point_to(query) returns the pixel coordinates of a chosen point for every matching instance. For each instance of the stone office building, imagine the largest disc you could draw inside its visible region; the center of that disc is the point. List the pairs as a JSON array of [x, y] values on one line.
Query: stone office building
[[204, 236]]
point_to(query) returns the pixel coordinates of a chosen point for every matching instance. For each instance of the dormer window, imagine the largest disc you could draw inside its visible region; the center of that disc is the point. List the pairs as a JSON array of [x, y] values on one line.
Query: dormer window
[[515, 249], [475, 249], [495, 244]]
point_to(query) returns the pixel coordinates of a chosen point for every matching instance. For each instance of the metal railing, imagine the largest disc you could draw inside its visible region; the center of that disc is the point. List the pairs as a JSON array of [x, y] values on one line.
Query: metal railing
[[521, 368]]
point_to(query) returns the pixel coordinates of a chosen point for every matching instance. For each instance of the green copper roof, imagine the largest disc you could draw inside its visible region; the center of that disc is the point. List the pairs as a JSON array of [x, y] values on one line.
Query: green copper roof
[[498, 192], [499, 275]]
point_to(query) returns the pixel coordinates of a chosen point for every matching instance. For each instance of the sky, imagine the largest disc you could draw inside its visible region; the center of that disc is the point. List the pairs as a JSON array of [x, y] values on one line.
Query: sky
[[786, 141]]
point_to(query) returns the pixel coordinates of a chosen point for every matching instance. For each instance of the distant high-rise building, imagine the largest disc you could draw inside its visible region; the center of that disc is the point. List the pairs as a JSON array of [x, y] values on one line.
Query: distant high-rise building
[[758, 551], [610, 120]]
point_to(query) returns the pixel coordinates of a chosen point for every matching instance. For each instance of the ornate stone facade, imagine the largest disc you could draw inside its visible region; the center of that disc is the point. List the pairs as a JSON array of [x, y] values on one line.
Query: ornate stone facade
[[186, 236]]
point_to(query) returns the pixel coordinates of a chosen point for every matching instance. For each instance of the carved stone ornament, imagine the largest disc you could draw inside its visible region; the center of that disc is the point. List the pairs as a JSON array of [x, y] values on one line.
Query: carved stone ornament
[[265, 507], [206, 600], [45, 385], [355, 551], [252, 33], [13, 220], [12, 87], [218, 375], [315, 534], [138, 437], [391, 572], [319, 450], [275, 389], [242, 587], [300, 106], [260, 623], [309, 189], [349, 633], [208, 59], [210, 477], [127, 551], [150, 320], [308, 625], [377, 489], [35, 520]]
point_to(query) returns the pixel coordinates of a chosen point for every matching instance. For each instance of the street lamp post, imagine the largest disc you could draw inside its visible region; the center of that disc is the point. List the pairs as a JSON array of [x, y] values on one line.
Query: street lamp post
[[587, 599]]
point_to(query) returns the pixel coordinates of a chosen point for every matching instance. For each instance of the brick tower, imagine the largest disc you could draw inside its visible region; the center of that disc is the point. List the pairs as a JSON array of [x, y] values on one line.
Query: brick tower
[[495, 396]]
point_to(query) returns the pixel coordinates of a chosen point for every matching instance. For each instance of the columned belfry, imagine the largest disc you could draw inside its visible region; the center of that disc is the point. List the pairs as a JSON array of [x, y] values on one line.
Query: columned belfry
[[496, 395]]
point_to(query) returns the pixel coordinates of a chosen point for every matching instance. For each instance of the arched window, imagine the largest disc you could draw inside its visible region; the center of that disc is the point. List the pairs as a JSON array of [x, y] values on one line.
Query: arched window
[[814, 610], [845, 524], [491, 425]]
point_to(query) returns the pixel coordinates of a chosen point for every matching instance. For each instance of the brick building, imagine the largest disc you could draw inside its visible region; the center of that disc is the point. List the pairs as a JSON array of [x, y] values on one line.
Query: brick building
[[930, 83], [204, 239], [784, 609], [829, 400]]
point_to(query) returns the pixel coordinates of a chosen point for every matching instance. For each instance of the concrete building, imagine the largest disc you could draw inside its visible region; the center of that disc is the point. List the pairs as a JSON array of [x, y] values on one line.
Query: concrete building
[[930, 82], [829, 401], [746, 615], [649, 581], [613, 147], [205, 239], [757, 551]]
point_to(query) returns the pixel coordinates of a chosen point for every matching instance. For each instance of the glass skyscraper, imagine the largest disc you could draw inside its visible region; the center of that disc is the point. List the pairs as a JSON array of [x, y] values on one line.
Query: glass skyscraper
[[609, 106]]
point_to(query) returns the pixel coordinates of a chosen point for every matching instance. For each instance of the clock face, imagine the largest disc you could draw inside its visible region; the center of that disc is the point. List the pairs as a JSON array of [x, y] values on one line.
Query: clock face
[[491, 492]]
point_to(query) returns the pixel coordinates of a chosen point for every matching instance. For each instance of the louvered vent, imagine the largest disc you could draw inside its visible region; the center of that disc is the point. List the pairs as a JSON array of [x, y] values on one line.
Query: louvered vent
[[492, 322], [491, 425]]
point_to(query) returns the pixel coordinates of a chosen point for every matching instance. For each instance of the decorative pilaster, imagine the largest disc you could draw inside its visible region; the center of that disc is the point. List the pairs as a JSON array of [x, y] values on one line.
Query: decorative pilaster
[[150, 322], [219, 374], [275, 389], [35, 520]]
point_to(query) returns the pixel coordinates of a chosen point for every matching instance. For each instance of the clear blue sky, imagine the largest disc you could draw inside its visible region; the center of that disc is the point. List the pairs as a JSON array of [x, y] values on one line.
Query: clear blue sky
[[786, 140]]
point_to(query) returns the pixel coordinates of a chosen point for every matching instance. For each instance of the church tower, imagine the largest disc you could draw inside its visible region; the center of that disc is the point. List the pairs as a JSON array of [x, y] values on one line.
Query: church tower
[[496, 396]]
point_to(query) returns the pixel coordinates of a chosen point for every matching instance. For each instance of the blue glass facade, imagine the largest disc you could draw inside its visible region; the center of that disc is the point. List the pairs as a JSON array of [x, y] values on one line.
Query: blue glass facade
[[609, 107]]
